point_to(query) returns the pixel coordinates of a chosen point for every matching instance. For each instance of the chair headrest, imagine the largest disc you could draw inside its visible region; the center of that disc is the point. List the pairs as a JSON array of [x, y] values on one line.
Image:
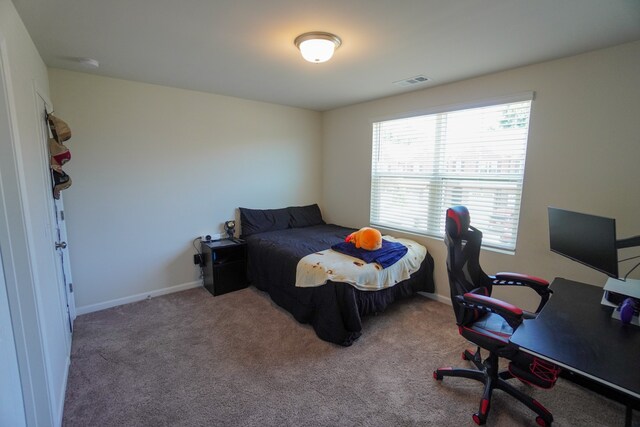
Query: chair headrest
[[457, 222]]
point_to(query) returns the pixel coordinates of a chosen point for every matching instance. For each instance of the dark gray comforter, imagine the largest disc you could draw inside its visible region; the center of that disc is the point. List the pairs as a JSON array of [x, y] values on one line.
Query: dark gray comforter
[[335, 309]]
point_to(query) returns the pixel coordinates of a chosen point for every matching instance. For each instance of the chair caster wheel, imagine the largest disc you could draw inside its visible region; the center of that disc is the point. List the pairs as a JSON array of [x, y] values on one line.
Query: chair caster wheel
[[478, 420], [437, 376], [542, 422], [464, 355]]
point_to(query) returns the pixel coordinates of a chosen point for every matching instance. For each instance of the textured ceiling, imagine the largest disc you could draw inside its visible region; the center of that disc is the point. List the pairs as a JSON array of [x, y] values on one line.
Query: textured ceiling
[[244, 48]]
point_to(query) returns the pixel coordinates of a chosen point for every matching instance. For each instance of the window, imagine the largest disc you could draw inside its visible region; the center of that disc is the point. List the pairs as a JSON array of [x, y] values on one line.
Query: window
[[475, 157]]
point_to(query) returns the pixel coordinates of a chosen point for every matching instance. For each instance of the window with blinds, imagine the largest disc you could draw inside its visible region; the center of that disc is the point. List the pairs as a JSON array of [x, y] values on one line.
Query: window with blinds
[[474, 157]]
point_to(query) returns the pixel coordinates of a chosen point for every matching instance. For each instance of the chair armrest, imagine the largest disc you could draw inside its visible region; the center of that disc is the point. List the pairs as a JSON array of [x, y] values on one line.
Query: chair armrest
[[539, 285], [521, 279], [509, 312]]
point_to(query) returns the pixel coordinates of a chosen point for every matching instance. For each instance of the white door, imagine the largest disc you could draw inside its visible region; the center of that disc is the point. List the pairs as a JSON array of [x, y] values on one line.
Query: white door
[[63, 265], [63, 251]]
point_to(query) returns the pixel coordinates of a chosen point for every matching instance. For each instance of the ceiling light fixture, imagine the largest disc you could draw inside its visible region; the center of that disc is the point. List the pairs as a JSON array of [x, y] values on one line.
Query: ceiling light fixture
[[317, 46]]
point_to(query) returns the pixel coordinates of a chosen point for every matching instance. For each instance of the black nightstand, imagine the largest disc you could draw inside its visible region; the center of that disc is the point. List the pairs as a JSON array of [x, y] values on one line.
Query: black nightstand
[[225, 265]]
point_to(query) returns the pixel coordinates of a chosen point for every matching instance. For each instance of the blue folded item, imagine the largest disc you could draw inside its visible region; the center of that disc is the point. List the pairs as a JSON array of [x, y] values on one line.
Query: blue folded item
[[387, 255]]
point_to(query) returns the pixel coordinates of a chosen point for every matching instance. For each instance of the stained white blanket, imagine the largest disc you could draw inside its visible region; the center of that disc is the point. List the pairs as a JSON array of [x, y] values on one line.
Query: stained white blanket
[[319, 267]]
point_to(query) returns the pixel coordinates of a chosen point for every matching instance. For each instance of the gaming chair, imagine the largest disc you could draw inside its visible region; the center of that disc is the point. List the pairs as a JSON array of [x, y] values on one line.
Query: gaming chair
[[488, 322]]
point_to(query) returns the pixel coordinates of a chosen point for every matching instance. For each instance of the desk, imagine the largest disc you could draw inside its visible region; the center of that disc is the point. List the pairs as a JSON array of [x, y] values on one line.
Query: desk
[[574, 331]]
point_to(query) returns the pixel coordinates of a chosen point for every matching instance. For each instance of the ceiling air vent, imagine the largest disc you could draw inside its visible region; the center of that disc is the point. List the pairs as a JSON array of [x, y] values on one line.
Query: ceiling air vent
[[411, 81]]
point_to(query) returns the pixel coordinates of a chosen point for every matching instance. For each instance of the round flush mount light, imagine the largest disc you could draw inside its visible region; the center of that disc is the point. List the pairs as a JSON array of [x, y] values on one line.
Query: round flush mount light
[[317, 46]]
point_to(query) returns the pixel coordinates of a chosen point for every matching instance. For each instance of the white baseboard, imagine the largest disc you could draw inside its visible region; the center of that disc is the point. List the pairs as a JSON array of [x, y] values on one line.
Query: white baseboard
[[139, 297], [183, 287], [439, 298]]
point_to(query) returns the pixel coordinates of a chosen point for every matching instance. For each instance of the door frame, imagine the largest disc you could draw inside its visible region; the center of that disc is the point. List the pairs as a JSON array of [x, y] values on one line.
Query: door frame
[[11, 403], [17, 262]]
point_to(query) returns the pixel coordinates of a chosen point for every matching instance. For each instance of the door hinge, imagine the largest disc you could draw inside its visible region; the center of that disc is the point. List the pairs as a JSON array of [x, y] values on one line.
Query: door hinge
[[61, 215], [70, 287]]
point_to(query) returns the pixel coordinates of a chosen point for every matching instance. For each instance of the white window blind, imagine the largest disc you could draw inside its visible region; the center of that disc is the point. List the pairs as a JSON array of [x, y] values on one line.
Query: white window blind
[[474, 157]]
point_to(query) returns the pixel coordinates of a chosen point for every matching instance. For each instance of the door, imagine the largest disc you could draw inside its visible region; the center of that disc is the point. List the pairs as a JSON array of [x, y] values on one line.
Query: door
[[59, 229]]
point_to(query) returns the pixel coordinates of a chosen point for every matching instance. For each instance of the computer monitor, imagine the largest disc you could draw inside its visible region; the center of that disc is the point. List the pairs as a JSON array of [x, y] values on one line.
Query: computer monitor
[[587, 239]]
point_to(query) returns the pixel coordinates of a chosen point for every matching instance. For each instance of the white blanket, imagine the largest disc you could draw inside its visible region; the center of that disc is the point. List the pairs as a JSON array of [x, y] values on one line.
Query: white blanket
[[319, 267]]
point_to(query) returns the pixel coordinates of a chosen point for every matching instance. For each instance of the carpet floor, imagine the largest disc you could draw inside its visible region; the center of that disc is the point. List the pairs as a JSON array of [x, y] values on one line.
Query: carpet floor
[[189, 359]]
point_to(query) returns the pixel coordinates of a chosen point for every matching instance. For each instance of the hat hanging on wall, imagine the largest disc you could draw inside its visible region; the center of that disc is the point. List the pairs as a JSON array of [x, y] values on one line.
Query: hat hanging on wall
[[61, 181], [60, 130], [59, 154]]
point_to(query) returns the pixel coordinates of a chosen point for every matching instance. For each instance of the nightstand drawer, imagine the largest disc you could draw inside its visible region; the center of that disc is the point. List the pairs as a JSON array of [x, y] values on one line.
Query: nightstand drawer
[[228, 277]]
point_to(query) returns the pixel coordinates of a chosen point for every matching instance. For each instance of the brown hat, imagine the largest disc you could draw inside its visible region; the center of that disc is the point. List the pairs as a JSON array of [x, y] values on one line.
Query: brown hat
[[59, 128], [61, 181], [58, 154]]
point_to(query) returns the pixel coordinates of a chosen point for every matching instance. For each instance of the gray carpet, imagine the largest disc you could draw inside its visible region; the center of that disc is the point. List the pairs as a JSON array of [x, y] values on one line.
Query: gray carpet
[[189, 359]]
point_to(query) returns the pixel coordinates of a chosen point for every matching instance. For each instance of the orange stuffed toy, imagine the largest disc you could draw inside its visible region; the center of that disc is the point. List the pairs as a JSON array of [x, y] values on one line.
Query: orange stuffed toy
[[366, 238]]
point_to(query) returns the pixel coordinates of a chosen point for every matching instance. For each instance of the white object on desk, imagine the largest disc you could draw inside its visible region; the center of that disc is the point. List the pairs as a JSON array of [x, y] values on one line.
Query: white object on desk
[[630, 287], [605, 302]]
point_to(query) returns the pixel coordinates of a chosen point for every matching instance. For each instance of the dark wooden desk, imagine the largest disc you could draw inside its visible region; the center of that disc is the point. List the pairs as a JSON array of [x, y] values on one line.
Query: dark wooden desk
[[576, 332]]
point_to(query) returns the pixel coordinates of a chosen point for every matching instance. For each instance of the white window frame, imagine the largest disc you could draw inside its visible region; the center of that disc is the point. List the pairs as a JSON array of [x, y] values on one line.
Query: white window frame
[[422, 212]]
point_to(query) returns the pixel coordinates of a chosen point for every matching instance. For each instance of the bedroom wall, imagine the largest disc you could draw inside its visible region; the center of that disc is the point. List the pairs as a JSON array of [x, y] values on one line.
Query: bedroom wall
[[583, 151], [154, 167]]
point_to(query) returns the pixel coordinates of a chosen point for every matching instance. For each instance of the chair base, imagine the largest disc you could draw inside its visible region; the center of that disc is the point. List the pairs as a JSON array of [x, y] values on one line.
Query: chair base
[[487, 373]]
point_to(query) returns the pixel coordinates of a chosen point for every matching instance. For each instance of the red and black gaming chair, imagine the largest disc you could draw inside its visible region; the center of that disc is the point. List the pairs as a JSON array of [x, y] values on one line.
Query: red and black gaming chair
[[489, 322]]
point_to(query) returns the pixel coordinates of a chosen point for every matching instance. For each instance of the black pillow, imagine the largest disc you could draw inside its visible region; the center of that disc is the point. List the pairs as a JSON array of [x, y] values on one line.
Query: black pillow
[[260, 220], [305, 216]]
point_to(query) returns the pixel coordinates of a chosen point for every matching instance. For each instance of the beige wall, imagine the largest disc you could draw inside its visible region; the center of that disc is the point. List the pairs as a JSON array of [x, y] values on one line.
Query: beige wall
[[154, 167], [583, 154]]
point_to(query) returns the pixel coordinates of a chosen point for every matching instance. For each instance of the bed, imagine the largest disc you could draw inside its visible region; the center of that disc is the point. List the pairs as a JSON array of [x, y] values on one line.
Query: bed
[[277, 239]]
